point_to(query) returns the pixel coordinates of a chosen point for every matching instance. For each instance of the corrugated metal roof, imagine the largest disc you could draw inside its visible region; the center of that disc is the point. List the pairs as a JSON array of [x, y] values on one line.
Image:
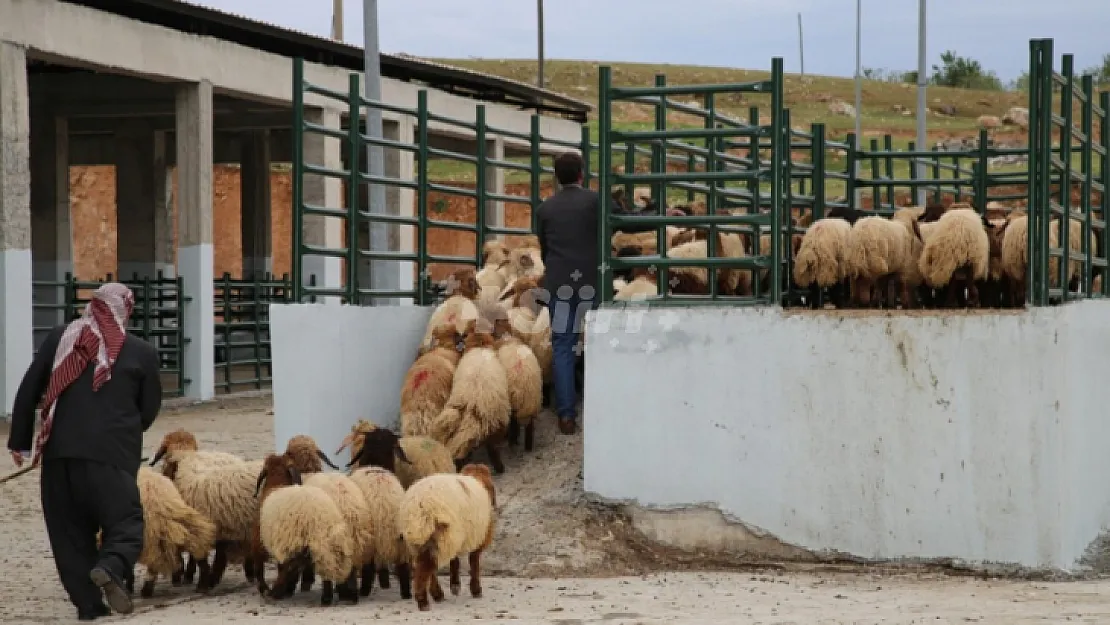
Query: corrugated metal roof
[[195, 18]]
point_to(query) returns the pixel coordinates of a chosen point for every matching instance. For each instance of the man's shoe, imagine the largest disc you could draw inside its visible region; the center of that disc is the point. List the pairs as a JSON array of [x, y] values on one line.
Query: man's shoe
[[117, 597], [567, 426], [99, 611]]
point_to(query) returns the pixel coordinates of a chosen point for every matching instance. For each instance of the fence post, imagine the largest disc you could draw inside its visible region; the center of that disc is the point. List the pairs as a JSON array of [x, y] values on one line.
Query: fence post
[[422, 195], [354, 145], [480, 187], [255, 307], [850, 171], [586, 157], [1086, 160], [536, 168], [1066, 98], [817, 146], [1104, 175], [777, 110], [980, 176], [297, 182], [659, 191], [604, 160], [180, 342]]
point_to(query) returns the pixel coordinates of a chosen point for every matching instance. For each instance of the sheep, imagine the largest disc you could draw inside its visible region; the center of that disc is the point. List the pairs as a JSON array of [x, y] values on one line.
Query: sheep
[[525, 379], [1015, 253], [877, 251], [524, 261], [819, 263], [694, 280], [427, 384], [765, 248], [956, 255], [530, 321], [169, 525], [458, 308], [183, 440], [994, 291], [642, 243], [306, 455], [644, 285], [443, 517], [478, 409], [355, 510], [494, 253], [300, 524], [419, 455]]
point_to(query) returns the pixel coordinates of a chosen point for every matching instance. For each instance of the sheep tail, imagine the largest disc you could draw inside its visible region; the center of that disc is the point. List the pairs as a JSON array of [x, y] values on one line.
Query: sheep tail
[[868, 257], [200, 533], [332, 552], [937, 268], [805, 266], [421, 531]]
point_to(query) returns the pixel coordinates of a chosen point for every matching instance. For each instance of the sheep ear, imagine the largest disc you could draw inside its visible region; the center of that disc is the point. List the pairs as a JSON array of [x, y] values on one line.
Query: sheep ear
[[258, 484], [526, 261], [324, 457], [400, 451], [158, 455], [294, 474]]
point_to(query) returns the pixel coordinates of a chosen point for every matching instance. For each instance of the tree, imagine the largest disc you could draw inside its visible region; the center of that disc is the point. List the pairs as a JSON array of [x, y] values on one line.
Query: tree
[[1101, 72], [962, 72]]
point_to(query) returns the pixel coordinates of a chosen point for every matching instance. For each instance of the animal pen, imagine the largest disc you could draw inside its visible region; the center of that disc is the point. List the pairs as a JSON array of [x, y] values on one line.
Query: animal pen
[[880, 434]]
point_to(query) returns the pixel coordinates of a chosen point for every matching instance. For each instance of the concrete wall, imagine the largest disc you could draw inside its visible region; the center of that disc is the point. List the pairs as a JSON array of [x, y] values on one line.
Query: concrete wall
[[978, 437], [336, 364]]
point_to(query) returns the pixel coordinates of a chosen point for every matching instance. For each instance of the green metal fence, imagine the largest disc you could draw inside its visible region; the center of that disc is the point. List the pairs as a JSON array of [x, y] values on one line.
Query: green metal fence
[[242, 329], [355, 216], [726, 181]]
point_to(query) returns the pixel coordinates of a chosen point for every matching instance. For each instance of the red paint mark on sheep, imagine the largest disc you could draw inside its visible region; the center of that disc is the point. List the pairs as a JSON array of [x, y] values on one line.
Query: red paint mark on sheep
[[420, 378]]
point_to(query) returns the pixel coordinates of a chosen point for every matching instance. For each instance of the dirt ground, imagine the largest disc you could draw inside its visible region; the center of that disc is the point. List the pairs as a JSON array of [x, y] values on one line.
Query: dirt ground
[[557, 559]]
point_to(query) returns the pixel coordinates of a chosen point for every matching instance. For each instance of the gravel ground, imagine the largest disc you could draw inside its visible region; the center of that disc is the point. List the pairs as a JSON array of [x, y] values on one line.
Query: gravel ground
[[556, 559]]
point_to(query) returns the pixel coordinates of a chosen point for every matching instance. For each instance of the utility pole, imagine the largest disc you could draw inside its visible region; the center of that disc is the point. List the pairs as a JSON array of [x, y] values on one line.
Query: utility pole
[[921, 88], [337, 20], [380, 233], [859, 93], [539, 31], [801, 47]]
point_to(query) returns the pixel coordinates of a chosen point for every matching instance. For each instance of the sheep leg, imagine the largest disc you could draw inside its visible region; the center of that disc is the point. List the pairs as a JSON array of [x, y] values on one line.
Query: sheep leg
[[308, 577], [327, 592], [190, 568], [383, 577], [179, 570], [205, 572], [404, 579], [863, 293], [530, 434], [425, 572], [219, 565], [280, 589], [495, 457], [476, 573], [348, 589], [813, 296], [258, 561], [367, 584], [147, 591], [456, 583], [248, 568], [435, 589], [514, 431], [972, 293]]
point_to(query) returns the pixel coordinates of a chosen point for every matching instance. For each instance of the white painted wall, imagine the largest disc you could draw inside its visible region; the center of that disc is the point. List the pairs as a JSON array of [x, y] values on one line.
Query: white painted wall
[[978, 437], [15, 323], [336, 364]]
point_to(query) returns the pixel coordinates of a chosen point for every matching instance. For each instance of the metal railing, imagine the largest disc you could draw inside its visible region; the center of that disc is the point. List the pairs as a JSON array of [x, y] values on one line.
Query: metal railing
[[242, 329]]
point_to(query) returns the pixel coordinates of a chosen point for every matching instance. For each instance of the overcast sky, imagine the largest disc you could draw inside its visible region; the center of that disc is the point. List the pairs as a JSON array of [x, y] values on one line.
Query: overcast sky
[[729, 33]]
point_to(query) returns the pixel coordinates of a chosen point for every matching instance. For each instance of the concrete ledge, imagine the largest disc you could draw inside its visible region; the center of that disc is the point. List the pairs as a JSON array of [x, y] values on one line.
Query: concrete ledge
[[974, 438]]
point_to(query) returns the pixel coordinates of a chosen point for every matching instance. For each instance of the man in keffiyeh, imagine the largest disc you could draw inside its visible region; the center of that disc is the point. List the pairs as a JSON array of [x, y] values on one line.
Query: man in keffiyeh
[[98, 389]]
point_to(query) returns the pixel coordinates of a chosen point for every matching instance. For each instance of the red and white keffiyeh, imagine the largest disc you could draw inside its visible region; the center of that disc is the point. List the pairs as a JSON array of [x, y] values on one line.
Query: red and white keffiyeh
[[96, 337]]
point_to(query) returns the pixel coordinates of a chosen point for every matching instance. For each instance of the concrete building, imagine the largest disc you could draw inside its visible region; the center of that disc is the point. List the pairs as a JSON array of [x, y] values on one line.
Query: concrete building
[[149, 84]]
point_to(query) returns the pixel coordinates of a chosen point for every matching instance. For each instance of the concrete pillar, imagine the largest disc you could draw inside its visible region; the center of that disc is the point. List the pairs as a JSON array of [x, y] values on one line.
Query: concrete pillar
[[165, 253], [399, 165], [258, 256], [194, 240], [320, 231], [51, 224], [134, 159], [495, 183], [15, 222]]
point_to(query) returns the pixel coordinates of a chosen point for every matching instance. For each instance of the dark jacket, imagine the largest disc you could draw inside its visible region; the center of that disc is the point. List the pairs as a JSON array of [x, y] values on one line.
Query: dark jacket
[[567, 226], [106, 426]]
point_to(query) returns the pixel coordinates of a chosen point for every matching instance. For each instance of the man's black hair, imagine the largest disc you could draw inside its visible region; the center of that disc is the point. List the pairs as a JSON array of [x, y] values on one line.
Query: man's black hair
[[568, 168]]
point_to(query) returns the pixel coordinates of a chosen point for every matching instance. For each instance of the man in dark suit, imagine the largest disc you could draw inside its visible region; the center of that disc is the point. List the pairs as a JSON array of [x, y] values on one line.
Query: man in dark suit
[[567, 224], [99, 390]]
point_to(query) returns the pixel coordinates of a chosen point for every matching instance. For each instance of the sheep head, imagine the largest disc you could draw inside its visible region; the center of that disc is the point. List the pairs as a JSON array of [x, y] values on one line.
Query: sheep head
[[847, 213], [177, 440], [618, 198], [502, 328], [464, 282], [277, 471], [380, 448], [362, 426], [494, 252], [524, 292], [478, 333], [933, 212], [305, 454], [481, 473]]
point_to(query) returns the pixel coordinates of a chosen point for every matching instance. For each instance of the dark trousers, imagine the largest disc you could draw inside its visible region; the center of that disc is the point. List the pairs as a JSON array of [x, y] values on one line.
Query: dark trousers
[[566, 324], [79, 498]]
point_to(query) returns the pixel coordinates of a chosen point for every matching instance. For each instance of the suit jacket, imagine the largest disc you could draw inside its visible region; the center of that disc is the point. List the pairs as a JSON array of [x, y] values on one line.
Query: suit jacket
[[106, 426], [567, 226]]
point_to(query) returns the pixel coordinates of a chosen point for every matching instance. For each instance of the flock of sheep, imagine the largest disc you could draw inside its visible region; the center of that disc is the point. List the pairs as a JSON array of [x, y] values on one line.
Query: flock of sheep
[[408, 502], [935, 256]]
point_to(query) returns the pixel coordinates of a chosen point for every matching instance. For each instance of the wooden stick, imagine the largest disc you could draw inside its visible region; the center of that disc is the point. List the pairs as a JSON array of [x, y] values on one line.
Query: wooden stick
[[27, 469]]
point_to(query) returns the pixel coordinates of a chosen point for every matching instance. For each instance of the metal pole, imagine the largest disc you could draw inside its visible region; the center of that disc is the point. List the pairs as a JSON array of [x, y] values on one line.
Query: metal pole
[[539, 42], [337, 20], [921, 86], [801, 48], [859, 90], [380, 234]]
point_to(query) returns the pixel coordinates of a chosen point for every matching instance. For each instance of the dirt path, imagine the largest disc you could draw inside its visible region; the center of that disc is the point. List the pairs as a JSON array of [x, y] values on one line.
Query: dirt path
[[556, 559]]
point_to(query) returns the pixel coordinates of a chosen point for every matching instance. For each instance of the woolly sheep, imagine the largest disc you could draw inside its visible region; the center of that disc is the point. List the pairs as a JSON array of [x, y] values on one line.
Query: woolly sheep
[[427, 384], [956, 254], [1015, 253], [877, 251], [306, 455], [524, 261], [530, 321], [170, 526], [355, 510], [458, 308], [525, 378], [478, 409], [383, 492], [442, 518], [820, 262], [418, 455], [300, 524], [694, 280]]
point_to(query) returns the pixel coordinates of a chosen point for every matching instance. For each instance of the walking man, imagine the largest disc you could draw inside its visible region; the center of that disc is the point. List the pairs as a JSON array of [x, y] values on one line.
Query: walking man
[[99, 390], [567, 226]]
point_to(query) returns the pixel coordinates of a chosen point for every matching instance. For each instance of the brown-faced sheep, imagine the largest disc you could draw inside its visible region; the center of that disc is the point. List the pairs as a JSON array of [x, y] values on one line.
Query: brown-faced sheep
[[413, 457], [458, 308], [306, 455], [444, 517], [820, 263], [427, 384], [956, 255], [169, 527], [478, 409], [530, 321], [301, 524], [494, 253], [525, 382]]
